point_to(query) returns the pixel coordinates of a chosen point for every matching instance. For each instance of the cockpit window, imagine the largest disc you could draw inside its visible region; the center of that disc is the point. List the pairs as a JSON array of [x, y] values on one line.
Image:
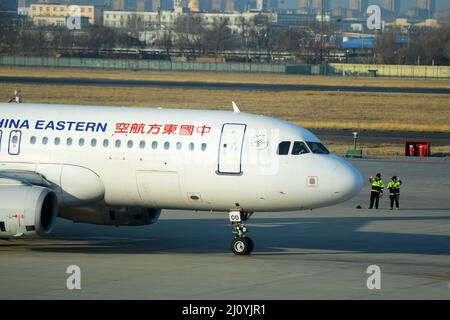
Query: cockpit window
[[317, 147], [283, 147], [299, 148]]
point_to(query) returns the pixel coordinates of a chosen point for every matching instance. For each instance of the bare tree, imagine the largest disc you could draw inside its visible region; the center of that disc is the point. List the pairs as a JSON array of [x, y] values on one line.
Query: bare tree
[[216, 37], [245, 33], [166, 41], [188, 31]]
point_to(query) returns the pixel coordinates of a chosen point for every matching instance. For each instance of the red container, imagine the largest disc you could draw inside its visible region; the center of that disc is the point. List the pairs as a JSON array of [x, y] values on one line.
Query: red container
[[417, 149]]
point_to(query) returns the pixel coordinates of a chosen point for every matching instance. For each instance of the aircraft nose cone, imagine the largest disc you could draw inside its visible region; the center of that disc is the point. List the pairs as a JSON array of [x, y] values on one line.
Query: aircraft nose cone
[[348, 182]]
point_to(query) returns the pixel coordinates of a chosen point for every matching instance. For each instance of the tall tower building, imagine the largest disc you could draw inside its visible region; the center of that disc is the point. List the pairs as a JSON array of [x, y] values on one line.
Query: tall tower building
[[21, 3], [358, 5], [194, 5], [229, 5], [216, 5], [262, 5], [303, 4], [317, 5], [156, 4], [140, 5], [392, 5], [178, 4], [429, 5], [119, 5]]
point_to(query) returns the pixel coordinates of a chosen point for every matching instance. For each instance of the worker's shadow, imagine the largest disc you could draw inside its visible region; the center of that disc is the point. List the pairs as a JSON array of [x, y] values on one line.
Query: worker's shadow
[[279, 236]]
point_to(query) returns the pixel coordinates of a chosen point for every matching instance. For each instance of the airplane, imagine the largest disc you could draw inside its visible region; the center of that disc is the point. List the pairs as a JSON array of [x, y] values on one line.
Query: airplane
[[121, 166]]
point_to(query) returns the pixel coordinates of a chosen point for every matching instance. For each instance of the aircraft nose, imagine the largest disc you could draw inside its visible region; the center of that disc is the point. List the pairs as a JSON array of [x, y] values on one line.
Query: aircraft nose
[[348, 181]]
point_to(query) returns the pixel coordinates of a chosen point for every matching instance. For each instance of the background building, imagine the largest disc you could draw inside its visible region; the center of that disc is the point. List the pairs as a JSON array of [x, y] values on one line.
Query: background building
[[153, 20], [429, 5], [216, 5], [319, 5], [156, 5], [229, 5], [262, 5], [303, 4], [55, 13], [118, 5], [140, 5], [392, 6], [416, 13], [358, 5]]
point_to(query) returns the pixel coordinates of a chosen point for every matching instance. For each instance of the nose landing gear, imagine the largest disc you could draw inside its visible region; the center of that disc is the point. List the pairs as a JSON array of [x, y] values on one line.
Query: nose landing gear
[[241, 244]]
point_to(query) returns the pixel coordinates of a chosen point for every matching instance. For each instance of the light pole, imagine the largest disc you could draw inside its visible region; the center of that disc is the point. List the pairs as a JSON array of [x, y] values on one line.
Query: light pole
[[355, 139], [322, 9]]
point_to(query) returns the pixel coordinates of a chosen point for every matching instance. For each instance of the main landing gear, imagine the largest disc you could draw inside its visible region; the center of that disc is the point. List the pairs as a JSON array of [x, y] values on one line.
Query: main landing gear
[[241, 244]]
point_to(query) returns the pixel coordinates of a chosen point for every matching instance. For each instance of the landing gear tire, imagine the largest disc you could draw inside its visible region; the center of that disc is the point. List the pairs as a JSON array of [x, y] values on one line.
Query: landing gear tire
[[242, 246]]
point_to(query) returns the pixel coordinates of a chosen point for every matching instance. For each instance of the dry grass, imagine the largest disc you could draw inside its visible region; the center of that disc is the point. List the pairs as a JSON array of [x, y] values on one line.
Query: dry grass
[[327, 110], [224, 77]]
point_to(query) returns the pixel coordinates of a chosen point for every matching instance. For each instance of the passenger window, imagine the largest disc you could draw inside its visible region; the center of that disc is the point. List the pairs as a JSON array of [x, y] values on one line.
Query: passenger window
[[203, 146], [93, 142], [118, 143], [317, 147], [191, 146], [69, 141], [105, 143], [81, 142], [57, 141], [15, 139], [283, 147], [130, 144], [166, 145], [33, 140], [299, 148], [154, 144], [142, 144], [44, 140]]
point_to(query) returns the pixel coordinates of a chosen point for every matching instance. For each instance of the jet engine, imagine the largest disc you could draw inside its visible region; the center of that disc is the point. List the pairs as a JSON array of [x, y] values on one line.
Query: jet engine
[[113, 216], [26, 210]]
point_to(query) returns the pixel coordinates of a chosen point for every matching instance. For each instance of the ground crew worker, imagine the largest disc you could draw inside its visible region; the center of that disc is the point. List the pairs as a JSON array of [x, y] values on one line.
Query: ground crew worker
[[376, 190], [394, 191]]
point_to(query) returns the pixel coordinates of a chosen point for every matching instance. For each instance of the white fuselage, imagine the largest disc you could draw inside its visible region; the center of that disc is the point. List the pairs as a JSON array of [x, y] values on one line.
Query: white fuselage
[[166, 158]]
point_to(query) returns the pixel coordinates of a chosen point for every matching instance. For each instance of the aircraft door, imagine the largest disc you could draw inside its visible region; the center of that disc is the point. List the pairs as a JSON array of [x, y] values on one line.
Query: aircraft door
[[230, 148]]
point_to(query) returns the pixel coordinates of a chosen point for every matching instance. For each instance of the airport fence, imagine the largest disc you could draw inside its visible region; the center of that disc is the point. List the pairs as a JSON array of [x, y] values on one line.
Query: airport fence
[[332, 69], [400, 71], [140, 65]]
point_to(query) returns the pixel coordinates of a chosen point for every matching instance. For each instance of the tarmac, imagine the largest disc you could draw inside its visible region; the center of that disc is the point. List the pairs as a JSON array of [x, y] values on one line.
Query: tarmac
[[318, 254], [218, 85]]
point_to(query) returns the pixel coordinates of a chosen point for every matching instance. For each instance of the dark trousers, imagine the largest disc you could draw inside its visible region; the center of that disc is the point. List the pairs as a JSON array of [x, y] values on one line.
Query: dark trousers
[[394, 198], [374, 197]]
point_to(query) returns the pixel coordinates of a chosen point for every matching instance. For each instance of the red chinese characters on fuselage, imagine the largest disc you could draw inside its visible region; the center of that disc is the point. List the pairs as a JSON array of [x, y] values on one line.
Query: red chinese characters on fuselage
[[166, 129]]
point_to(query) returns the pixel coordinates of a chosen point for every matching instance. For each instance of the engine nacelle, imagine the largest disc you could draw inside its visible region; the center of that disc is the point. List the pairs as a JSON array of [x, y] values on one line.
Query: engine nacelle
[[113, 216], [26, 210]]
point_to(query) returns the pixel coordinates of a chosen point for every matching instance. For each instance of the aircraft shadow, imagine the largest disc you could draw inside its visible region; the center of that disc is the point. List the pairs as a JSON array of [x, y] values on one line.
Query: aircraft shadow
[[271, 236]]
